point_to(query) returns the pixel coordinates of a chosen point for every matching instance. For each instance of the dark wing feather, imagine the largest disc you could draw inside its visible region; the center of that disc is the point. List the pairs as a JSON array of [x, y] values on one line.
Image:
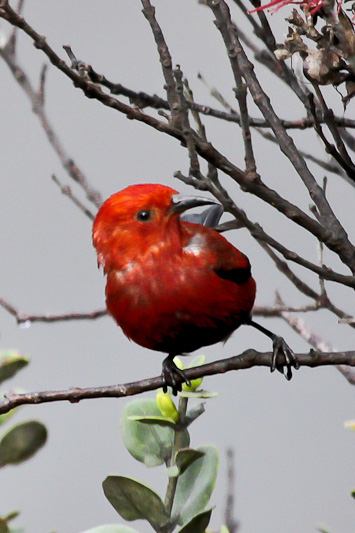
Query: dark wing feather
[[238, 275]]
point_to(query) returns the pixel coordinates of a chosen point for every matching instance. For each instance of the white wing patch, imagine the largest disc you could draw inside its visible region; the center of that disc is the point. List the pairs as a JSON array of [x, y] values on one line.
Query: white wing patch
[[195, 245]]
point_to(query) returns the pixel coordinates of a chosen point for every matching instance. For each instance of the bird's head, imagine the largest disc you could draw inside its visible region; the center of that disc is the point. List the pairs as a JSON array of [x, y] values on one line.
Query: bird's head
[[137, 218]]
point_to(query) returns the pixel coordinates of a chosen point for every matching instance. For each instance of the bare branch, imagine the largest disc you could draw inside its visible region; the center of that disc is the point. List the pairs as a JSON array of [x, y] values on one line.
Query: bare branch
[[248, 359], [90, 89], [37, 100], [230, 521], [276, 311], [321, 300], [165, 60], [66, 190], [337, 239], [229, 36], [185, 124], [26, 318], [341, 159], [299, 325], [280, 69]]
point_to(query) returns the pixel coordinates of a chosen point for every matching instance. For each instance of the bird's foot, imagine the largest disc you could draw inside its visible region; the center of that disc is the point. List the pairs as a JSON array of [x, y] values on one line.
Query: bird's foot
[[282, 349], [173, 376]]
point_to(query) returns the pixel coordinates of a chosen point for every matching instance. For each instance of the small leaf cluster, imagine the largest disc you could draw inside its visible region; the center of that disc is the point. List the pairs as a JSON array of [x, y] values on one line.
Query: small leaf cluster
[[156, 433], [23, 440]]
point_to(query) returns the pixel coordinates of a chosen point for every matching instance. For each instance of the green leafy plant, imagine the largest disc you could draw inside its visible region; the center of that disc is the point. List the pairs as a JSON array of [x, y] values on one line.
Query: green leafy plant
[[23, 440], [155, 432]]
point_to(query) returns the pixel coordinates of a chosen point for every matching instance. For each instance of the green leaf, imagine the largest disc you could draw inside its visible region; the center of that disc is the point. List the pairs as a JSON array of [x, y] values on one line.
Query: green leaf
[[3, 526], [6, 416], [195, 383], [11, 516], [150, 443], [111, 528], [4, 521], [10, 363], [195, 485], [198, 523], [160, 420], [135, 501], [184, 458], [224, 529], [166, 406], [21, 442]]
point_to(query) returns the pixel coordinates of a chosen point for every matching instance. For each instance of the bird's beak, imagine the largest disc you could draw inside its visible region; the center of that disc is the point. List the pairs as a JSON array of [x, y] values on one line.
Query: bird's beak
[[181, 203]]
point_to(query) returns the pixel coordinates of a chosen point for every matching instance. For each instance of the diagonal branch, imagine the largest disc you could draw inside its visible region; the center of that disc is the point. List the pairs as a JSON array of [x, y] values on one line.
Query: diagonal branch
[[343, 158], [280, 69], [337, 239], [66, 190]]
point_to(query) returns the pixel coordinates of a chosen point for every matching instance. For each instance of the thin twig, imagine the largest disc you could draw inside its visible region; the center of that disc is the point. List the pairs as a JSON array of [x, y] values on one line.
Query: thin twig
[[300, 326], [185, 124], [66, 190], [165, 60], [27, 318], [212, 173], [329, 147], [346, 161], [8, 53], [230, 521], [321, 301], [280, 69], [228, 32]]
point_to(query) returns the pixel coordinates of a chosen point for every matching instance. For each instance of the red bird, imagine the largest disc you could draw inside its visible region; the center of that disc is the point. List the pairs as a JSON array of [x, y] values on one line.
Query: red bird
[[174, 285]]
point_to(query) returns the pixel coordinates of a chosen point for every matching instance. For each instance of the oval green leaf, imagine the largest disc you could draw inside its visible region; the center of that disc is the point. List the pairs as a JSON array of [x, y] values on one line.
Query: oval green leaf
[[21, 442], [150, 443], [135, 501], [195, 486], [198, 523], [6, 416], [160, 420], [11, 362], [185, 457]]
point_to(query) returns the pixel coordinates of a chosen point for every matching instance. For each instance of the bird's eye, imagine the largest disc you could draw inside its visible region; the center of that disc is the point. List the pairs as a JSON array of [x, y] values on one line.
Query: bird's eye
[[144, 216]]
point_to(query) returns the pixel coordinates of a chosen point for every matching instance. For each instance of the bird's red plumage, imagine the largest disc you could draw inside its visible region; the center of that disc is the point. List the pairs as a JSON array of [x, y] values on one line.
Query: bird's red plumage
[[172, 286]]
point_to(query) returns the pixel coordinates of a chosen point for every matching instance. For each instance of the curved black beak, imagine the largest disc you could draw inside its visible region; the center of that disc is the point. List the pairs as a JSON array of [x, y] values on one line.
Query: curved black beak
[[181, 203]]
